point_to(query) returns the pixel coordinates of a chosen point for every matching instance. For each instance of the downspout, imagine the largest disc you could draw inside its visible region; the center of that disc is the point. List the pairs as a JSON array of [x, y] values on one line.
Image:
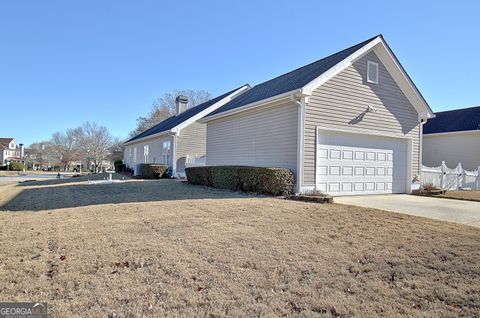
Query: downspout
[[174, 155], [420, 148], [300, 140]]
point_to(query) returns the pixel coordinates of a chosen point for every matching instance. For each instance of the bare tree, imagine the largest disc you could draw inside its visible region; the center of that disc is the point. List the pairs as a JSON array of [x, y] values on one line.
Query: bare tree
[[40, 154], [94, 142], [156, 115], [116, 150], [164, 107], [65, 146]]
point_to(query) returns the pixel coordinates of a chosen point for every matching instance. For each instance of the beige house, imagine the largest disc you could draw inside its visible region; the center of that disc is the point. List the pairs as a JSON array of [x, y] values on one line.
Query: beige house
[[348, 124], [178, 140], [10, 151], [454, 137]]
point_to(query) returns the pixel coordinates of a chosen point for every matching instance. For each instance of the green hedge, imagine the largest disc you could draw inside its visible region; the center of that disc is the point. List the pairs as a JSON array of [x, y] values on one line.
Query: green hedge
[[119, 166], [153, 171], [274, 181]]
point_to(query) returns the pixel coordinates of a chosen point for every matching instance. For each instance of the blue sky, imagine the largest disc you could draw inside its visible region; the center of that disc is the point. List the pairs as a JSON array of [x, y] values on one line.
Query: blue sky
[[66, 62]]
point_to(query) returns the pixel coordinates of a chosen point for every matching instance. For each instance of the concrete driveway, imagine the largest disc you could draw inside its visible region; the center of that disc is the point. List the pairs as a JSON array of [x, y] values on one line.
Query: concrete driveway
[[464, 212]]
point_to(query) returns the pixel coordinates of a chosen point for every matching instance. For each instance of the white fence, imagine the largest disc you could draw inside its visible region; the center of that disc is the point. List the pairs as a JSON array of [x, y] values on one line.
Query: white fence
[[195, 161], [451, 179]]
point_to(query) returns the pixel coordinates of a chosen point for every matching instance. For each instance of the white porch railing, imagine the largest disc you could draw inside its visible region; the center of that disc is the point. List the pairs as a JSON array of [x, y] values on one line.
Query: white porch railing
[[451, 179], [195, 161]]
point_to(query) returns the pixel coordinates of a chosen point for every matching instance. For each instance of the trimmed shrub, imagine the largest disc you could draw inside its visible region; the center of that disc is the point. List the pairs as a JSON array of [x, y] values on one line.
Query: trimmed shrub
[[198, 176], [16, 166], [274, 181], [226, 177], [153, 171]]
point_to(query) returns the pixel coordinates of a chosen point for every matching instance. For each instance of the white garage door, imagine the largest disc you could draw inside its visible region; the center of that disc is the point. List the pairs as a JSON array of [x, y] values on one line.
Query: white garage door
[[350, 164]]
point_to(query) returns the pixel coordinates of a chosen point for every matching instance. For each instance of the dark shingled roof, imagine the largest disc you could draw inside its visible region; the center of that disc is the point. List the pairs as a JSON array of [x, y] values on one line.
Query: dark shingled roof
[[173, 121], [5, 141], [295, 79], [454, 120]]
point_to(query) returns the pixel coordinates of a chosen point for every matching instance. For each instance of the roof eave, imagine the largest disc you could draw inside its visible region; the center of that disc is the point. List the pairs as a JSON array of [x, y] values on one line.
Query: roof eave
[[456, 132], [407, 86], [340, 66], [159, 134], [176, 129], [428, 112], [414, 96], [212, 108]]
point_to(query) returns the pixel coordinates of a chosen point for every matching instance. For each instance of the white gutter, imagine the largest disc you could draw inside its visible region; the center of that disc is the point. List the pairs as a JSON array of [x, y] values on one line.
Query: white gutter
[[174, 156], [420, 147], [300, 139], [211, 108], [251, 105], [160, 134]]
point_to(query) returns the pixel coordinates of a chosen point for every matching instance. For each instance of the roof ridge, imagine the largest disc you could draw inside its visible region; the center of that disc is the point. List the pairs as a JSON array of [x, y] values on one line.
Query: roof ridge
[[458, 109], [186, 113], [292, 80], [322, 59], [205, 102]]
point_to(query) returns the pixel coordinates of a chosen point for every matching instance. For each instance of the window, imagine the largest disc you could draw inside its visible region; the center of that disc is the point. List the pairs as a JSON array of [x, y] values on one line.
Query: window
[[145, 152], [135, 155], [166, 155], [372, 72]]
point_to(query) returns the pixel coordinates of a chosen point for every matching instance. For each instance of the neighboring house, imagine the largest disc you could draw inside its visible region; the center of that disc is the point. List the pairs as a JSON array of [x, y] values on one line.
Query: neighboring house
[[90, 165], [10, 151], [178, 139], [347, 124], [454, 137]]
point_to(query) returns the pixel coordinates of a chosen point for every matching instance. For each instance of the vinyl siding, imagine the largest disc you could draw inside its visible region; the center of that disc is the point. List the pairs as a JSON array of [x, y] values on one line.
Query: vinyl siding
[[154, 152], [264, 138], [340, 102], [453, 148], [191, 141]]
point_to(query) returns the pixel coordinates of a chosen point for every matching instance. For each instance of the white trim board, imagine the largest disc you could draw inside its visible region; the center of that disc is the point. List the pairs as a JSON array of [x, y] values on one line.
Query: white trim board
[[363, 132], [211, 109], [251, 106], [386, 56], [165, 133], [388, 59], [339, 67]]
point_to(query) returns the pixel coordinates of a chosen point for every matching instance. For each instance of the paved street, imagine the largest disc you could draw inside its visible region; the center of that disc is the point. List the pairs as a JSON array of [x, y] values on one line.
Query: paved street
[[30, 176]]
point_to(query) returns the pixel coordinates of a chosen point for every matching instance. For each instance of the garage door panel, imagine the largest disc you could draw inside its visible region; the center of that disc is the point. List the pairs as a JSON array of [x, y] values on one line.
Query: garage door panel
[[345, 170]]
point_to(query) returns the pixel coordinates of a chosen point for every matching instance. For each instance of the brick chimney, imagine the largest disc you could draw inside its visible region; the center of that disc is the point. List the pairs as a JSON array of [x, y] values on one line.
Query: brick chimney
[[22, 151], [181, 103]]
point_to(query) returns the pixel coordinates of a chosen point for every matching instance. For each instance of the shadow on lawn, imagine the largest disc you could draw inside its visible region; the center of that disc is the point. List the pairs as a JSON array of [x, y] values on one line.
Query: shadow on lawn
[[37, 198]]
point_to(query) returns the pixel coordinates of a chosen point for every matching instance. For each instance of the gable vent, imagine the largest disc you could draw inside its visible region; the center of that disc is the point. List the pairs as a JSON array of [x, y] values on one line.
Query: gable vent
[[372, 72]]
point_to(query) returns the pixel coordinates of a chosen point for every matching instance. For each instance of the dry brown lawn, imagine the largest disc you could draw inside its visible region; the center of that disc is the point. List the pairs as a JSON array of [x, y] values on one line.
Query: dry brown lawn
[[8, 173], [462, 195], [162, 248]]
